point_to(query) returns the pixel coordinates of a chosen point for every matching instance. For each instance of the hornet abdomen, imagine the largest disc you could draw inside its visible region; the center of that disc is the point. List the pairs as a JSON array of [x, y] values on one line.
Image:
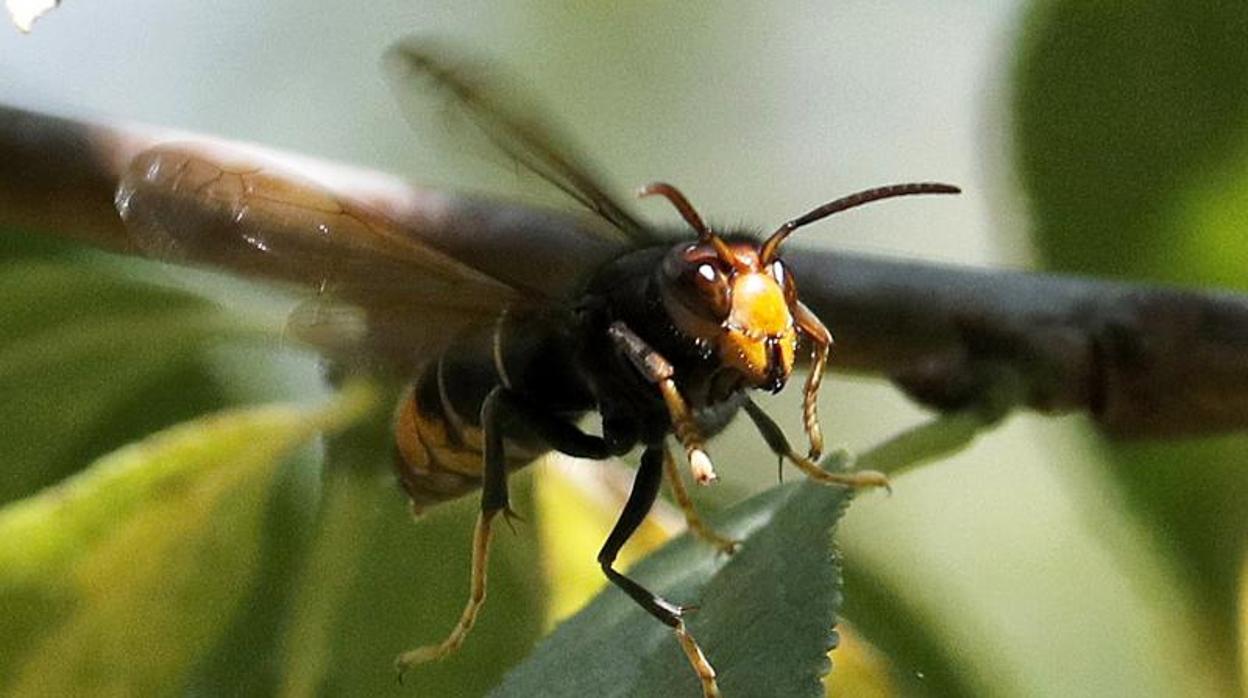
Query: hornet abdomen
[[438, 421]]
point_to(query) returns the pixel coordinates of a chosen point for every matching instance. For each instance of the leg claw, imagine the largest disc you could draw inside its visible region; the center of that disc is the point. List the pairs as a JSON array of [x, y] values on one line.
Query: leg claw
[[512, 518]]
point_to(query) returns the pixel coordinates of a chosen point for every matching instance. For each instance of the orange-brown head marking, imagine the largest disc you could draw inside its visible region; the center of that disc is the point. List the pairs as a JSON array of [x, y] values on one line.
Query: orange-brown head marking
[[760, 340]]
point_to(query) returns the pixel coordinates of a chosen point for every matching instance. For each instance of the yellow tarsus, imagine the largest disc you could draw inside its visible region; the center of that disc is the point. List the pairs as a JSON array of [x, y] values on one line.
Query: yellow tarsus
[[810, 402], [476, 598], [702, 667]]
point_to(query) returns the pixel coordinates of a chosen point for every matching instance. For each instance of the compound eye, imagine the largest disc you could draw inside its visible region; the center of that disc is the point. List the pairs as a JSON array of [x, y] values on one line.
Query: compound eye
[[707, 289], [781, 274], [707, 272]]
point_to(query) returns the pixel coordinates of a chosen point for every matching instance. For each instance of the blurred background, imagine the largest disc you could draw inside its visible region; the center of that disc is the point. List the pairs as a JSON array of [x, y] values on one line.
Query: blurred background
[[1099, 138]]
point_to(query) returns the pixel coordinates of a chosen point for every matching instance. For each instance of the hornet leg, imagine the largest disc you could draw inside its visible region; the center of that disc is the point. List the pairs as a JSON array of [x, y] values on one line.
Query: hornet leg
[[814, 329], [501, 412], [645, 489], [696, 524], [779, 445], [659, 371]]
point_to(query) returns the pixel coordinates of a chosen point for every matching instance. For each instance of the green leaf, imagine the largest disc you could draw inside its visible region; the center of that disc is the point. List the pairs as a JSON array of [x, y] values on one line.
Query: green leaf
[[116, 581], [376, 582], [110, 353], [765, 621], [405, 585], [91, 359], [100, 351]]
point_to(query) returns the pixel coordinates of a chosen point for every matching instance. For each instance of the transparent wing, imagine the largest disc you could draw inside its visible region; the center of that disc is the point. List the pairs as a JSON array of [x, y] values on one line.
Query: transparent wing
[[490, 104], [378, 292]]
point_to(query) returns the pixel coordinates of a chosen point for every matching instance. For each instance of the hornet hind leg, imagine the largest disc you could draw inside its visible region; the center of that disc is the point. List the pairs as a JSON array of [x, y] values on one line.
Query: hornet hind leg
[[502, 412]]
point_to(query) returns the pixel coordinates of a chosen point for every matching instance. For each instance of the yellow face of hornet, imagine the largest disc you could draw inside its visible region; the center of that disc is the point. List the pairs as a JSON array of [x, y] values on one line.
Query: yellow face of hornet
[[735, 305]]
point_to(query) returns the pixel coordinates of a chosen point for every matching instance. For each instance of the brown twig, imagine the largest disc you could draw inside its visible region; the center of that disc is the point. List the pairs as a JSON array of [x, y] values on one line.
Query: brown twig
[[1143, 361]]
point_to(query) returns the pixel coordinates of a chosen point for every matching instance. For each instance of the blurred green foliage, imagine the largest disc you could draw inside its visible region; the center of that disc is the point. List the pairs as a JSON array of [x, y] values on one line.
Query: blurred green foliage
[[76, 331], [113, 579], [1132, 141], [97, 356]]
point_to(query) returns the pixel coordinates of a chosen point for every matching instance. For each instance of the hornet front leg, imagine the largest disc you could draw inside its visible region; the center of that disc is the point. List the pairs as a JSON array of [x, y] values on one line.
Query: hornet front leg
[[779, 445], [810, 325], [659, 371]]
